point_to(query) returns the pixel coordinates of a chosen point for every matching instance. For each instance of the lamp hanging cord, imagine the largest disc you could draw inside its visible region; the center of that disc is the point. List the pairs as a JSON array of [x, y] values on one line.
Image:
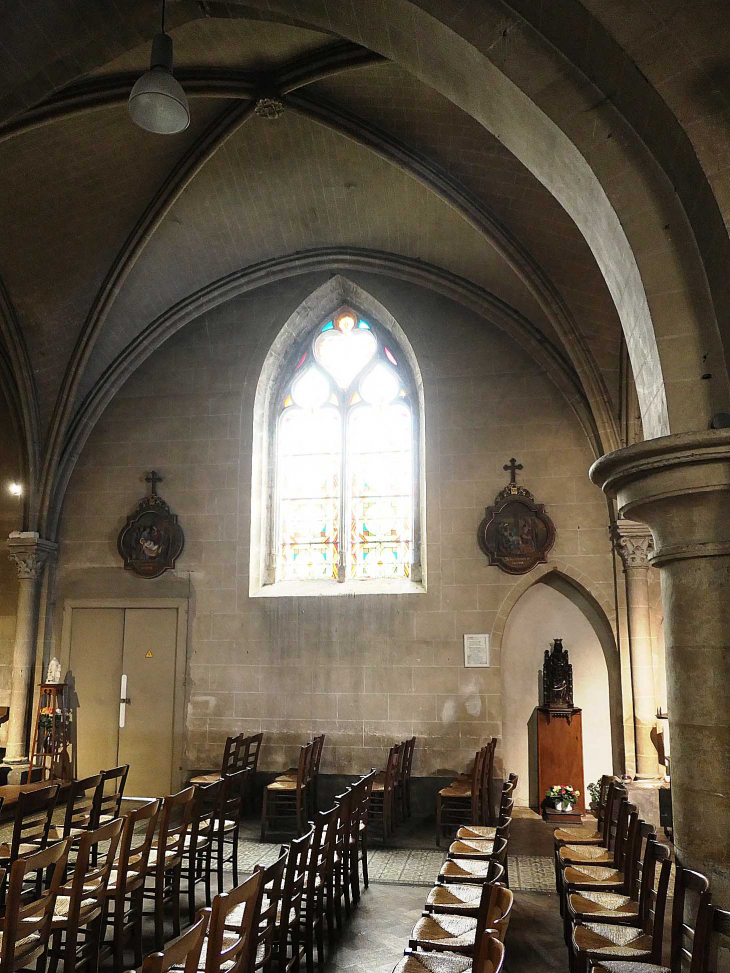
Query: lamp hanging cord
[[163, 16]]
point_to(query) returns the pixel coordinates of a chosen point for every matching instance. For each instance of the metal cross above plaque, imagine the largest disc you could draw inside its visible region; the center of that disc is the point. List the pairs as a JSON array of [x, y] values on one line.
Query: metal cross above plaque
[[516, 533], [151, 540]]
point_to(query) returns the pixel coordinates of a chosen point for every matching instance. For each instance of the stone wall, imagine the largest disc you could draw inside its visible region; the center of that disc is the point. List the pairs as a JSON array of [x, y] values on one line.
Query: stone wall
[[366, 670]]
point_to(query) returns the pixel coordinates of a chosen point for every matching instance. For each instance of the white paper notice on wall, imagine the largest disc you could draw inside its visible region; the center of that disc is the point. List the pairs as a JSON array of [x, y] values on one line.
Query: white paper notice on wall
[[476, 651]]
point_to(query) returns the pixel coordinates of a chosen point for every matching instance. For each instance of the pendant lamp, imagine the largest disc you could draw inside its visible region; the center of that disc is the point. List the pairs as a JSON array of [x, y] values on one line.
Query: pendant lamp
[[157, 102]]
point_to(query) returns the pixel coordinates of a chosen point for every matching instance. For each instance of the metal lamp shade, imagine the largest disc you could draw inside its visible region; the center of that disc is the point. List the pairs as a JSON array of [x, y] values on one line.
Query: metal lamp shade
[[157, 102]]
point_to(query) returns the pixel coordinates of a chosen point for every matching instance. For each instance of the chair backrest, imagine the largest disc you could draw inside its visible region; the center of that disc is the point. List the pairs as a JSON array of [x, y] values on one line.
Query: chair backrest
[[490, 957], [321, 855], [391, 768], [411, 746], [181, 952], [654, 919], [202, 818], [135, 846], [617, 823], [503, 829], [273, 880], [177, 810], [109, 794], [499, 851], [253, 748], [603, 799], [635, 857], [295, 876], [305, 755], [33, 815], [486, 782], [477, 770], [616, 792], [29, 906], [505, 812], [343, 804], [691, 921], [500, 909], [364, 794], [318, 743], [231, 754], [230, 796], [719, 937], [80, 804], [234, 925], [89, 882]]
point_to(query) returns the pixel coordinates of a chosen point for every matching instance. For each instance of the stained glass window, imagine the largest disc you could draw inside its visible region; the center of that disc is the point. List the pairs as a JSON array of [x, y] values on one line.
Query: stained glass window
[[345, 458]]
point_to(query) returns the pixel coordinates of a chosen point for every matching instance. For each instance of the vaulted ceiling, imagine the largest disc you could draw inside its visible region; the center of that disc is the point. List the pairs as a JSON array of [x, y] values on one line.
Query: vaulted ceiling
[[106, 227]]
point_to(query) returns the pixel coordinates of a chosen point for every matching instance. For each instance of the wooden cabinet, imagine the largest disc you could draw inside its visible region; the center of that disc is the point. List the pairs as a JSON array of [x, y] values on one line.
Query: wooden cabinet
[[560, 757]]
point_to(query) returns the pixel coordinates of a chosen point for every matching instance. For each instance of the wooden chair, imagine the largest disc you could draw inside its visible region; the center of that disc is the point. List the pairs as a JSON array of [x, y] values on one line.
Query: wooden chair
[[79, 810], [78, 916], [468, 871], [288, 948], [341, 881], [30, 906], [199, 842], [321, 855], [358, 807], [461, 900], [182, 953], [382, 795], [31, 823], [399, 799], [109, 795], [316, 761], [628, 907], [227, 826], [363, 821], [164, 866], [593, 942], [488, 958], [231, 750], [461, 934], [589, 834], [273, 881], [125, 891], [285, 799], [234, 923], [488, 831], [459, 803], [479, 847], [485, 798]]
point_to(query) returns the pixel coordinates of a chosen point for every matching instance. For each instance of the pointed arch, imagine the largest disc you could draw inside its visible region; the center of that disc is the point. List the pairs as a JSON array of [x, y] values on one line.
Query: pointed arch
[[320, 304], [601, 615]]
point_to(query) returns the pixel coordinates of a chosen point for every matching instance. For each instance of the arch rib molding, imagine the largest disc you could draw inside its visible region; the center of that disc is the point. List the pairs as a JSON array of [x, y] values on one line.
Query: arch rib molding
[[344, 259]]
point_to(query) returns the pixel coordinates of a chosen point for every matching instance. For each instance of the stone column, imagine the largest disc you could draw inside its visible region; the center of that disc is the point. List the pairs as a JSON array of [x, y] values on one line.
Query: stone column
[[634, 545], [680, 487], [30, 552]]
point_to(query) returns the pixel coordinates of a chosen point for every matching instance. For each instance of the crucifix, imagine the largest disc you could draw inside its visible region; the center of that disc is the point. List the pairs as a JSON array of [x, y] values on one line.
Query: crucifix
[[512, 468], [154, 478]]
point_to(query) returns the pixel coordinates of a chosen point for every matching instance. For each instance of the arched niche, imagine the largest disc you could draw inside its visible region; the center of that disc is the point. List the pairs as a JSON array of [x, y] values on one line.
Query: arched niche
[[556, 606]]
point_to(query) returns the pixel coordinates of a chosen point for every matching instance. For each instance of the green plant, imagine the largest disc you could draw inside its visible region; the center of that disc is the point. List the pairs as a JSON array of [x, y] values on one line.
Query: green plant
[[562, 793], [595, 791]]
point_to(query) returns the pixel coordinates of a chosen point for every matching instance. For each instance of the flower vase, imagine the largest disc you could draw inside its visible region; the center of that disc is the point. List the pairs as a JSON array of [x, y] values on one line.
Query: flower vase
[[563, 806]]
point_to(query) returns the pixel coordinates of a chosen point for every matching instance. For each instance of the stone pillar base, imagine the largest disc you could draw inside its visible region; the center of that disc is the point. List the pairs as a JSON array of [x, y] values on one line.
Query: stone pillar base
[[12, 770]]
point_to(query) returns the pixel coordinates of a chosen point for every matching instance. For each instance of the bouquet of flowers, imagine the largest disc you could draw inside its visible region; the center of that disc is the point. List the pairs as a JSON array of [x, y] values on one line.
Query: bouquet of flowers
[[562, 795], [49, 716]]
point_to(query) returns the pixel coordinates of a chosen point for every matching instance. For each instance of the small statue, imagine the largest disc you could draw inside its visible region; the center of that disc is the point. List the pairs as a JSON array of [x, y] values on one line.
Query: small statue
[[54, 671], [557, 678]]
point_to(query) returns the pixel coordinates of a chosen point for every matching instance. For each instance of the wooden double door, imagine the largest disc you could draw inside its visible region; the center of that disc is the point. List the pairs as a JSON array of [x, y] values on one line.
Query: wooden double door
[[123, 668]]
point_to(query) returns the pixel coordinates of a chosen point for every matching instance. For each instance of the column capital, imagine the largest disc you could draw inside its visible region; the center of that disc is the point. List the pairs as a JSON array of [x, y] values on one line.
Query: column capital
[[679, 486], [633, 543], [30, 552]]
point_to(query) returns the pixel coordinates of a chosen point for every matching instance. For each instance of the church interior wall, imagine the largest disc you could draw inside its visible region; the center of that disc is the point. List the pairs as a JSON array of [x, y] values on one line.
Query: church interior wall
[[366, 670], [10, 519], [542, 614]]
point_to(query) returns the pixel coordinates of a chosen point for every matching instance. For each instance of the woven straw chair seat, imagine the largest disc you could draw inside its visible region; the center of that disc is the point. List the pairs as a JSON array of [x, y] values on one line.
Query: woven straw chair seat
[[473, 847], [205, 779], [63, 903], [603, 905], [579, 835], [434, 963], [585, 853], [592, 875], [457, 789], [170, 856], [471, 870], [477, 831], [453, 932], [456, 898], [626, 966], [605, 939]]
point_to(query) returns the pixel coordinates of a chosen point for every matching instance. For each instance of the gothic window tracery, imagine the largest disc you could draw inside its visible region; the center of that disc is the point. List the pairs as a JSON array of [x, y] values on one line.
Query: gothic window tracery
[[345, 457]]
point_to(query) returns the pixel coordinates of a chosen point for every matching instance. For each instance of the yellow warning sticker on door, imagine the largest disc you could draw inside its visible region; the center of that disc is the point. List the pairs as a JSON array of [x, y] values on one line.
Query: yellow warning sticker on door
[[148, 654]]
